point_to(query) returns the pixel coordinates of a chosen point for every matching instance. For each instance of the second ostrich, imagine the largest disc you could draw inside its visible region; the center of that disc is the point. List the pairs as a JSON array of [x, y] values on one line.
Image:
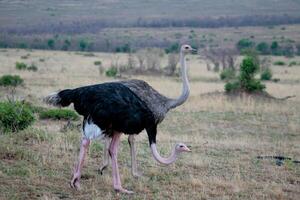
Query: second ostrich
[[110, 109]]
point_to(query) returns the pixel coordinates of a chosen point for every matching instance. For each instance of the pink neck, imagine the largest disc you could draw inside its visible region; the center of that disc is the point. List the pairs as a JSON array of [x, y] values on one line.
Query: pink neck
[[166, 161]]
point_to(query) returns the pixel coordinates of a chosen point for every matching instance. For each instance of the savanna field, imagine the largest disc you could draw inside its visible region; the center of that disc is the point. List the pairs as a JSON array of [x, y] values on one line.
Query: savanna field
[[226, 135]]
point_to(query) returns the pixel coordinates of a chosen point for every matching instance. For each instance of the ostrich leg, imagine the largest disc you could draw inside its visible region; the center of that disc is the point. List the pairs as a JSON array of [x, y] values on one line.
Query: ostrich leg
[[134, 171], [113, 152], [75, 182], [105, 155]]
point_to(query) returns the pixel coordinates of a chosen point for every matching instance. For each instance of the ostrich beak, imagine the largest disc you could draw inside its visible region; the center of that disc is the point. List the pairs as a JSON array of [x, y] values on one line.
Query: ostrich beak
[[194, 51], [187, 149]]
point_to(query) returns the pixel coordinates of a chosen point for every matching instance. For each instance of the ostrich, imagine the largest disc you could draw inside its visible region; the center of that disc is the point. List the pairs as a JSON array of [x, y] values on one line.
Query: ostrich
[[158, 104], [110, 109]]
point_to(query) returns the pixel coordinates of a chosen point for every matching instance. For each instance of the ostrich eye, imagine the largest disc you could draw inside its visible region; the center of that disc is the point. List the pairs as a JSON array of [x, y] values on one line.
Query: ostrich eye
[[181, 146], [186, 47]]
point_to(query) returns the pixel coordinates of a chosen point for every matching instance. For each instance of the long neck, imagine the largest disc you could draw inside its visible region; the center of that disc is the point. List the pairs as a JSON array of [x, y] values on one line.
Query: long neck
[[166, 161], [185, 85]]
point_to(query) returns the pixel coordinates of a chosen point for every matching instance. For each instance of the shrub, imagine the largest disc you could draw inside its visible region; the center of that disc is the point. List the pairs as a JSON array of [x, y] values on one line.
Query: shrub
[[266, 75], [25, 56], [248, 69], [232, 86], [227, 74], [97, 62], [111, 72], [66, 45], [11, 80], [15, 116], [280, 63], [124, 48], [82, 45], [263, 48], [21, 66], [51, 43], [245, 44], [32, 67], [254, 85], [173, 48], [58, 114], [292, 63], [246, 81]]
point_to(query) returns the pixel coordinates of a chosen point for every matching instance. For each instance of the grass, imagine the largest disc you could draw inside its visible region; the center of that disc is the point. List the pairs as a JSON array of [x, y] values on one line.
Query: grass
[[226, 135], [58, 114]]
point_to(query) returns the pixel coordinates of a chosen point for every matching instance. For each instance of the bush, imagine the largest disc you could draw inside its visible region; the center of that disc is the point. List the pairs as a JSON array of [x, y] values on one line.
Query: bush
[[232, 86], [279, 63], [245, 44], [111, 72], [174, 48], [21, 66], [292, 63], [254, 85], [266, 75], [124, 48], [263, 48], [11, 80], [97, 62], [227, 74], [32, 67], [58, 114], [51, 43], [246, 81], [15, 116]]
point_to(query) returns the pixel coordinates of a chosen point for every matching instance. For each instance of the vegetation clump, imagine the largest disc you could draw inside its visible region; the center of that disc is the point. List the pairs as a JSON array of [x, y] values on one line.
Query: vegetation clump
[[279, 63], [15, 116], [58, 114], [293, 63], [266, 75], [11, 80], [98, 62], [112, 72], [227, 74], [21, 66], [245, 81], [32, 67]]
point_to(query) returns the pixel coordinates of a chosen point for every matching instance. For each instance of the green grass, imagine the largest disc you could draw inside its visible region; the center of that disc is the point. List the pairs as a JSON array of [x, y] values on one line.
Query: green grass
[[58, 114]]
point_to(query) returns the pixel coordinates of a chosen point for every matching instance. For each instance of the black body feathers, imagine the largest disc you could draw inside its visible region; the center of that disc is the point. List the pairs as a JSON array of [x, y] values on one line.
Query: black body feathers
[[111, 106]]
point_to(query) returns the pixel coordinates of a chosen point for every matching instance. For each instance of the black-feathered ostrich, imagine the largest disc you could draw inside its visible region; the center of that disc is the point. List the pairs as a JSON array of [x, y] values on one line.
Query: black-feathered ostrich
[[128, 107]]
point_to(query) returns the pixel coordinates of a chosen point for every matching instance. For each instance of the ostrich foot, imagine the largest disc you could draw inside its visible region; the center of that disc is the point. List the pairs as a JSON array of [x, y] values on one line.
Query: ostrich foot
[[75, 182], [122, 190]]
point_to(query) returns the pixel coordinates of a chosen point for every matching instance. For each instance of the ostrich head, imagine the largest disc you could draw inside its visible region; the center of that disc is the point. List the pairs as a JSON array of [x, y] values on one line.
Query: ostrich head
[[180, 147], [185, 49]]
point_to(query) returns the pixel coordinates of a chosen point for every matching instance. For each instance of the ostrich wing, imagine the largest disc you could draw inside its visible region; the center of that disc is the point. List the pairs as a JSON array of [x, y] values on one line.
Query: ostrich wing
[[156, 102]]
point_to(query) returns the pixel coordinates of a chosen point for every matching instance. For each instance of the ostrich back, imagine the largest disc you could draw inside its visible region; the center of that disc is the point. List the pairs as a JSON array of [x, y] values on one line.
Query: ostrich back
[[112, 106], [157, 103]]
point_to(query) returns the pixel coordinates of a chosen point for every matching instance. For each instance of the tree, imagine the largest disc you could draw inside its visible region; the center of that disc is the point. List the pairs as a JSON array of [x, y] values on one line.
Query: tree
[[83, 45], [172, 63], [275, 48], [66, 45], [245, 80], [245, 44], [51, 43], [263, 48]]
